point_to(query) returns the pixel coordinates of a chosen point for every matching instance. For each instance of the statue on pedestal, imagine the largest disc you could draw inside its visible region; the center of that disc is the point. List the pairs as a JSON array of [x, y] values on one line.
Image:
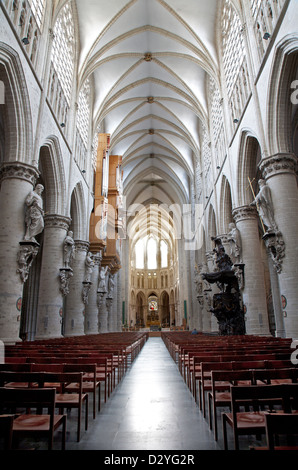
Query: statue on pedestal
[[102, 288], [68, 250], [89, 266], [235, 241], [263, 203], [34, 215]]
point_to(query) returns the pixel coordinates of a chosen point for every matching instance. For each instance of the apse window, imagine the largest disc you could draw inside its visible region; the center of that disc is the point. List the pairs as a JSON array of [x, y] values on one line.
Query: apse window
[[139, 252], [164, 254], [152, 254]]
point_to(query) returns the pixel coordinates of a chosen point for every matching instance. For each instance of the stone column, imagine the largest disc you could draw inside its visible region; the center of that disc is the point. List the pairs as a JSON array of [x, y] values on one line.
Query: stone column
[[276, 299], [50, 301], [17, 181], [105, 305], [74, 311], [279, 172], [254, 292], [91, 310]]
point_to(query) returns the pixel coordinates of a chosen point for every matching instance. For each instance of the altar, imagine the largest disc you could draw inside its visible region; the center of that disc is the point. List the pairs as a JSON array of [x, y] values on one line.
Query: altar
[[153, 319]]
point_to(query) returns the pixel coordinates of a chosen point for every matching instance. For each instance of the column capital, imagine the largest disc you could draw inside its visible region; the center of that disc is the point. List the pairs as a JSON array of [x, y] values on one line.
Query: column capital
[[278, 164], [57, 221], [82, 245], [244, 213], [19, 170]]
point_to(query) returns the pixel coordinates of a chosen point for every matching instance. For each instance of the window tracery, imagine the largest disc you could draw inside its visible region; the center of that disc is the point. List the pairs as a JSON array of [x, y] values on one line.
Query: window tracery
[[234, 62], [265, 14], [63, 50]]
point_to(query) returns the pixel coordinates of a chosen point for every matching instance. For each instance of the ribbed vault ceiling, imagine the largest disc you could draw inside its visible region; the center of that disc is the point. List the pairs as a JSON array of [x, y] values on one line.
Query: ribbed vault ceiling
[[149, 60]]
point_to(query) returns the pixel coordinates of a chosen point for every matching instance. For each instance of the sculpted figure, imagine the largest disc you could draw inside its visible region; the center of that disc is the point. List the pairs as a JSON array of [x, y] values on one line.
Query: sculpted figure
[[111, 285], [34, 213], [89, 265], [102, 279], [264, 205], [235, 240], [68, 249]]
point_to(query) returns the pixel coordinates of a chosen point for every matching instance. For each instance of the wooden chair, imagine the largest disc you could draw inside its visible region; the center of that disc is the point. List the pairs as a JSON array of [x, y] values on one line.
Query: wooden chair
[[6, 426], [205, 384], [37, 425], [65, 399], [220, 395], [258, 397], [57, 380], [90, 382], [276, 376], [278, 424]]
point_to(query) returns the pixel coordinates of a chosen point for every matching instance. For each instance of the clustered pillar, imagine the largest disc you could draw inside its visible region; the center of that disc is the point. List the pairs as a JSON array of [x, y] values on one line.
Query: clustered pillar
[[254, 291], [17, 180], [50, 302], [75, 299], [279, 172]]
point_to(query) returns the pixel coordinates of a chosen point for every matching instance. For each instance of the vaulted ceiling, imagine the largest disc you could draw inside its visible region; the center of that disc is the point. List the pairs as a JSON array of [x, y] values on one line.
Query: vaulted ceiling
[[149, 60]]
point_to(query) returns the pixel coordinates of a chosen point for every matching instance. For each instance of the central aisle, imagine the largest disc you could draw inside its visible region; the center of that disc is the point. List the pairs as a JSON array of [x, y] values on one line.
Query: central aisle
[[151, 409]]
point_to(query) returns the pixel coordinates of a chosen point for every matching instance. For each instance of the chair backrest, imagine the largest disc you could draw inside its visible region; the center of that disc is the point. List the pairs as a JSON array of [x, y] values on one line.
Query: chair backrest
[[6, 425], [15, 366], [47, 367], [232, 376], [287, 394], [267, 375], [41, 378], [280, 424], [14, 376], [28, 398]]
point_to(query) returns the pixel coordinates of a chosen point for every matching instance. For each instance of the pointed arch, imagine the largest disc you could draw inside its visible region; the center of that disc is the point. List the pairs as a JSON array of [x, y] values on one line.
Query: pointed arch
[[18, 130], [78, 213], [212, 230], [280, 100], [249, 157], [225, 206], [53, 174]]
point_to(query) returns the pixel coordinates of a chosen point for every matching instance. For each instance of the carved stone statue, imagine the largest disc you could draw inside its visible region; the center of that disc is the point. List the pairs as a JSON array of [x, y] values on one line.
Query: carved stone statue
[[102, 279], [263, 203], [25, 258], [68, 249], [34, 216], [111, 285], [89, 266], [235, 241]]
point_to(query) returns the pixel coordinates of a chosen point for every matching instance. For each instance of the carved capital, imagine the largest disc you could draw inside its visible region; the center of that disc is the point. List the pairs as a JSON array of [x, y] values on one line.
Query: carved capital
[[82, 245], [278, 164], [244, 213], [18, 170], [57, 221]]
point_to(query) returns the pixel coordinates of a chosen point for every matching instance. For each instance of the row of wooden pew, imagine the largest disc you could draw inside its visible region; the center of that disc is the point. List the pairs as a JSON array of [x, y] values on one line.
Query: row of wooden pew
[[60, 374], [250, 376]]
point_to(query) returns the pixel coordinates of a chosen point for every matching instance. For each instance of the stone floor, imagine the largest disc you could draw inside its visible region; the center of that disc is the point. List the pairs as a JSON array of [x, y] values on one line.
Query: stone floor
[[150, 409]]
